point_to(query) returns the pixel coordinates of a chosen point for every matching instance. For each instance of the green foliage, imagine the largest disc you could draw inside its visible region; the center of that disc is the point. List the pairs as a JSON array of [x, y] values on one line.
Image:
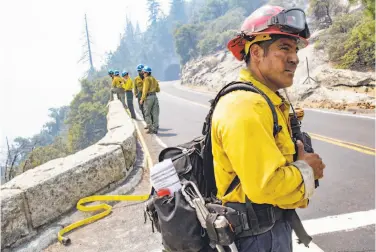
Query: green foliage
[[212, 24], [71, 129], [369, 7], [359, 48], [355, 34], [193, 9], [155, 47], [320, 10], [214, 9], [192, 40], [43, 154], [20, 151], [323, 11], [186, 40], [337, 35], [87, 119], [178, 11], [51, 129]]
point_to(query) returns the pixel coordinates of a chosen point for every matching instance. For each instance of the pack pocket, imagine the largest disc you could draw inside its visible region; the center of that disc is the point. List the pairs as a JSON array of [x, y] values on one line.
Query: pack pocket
[[181, 230]]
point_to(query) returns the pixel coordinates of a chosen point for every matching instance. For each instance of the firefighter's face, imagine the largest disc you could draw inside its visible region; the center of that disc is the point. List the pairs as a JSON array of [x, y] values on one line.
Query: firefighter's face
[[277, 65]]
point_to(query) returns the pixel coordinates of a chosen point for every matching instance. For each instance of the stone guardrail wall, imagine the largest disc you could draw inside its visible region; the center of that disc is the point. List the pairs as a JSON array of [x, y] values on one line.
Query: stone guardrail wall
[[41, 195]]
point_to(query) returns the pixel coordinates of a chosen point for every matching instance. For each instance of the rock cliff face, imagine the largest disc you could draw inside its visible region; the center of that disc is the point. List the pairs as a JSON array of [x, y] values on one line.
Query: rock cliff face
[[330, 87]]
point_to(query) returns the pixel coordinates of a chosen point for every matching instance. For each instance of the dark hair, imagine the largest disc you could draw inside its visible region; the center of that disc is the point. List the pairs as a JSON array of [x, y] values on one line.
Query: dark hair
[[265, 45]]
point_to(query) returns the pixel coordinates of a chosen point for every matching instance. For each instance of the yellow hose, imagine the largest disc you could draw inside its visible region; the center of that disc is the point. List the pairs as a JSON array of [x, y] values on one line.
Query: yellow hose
[[106, 208], [106, 211]]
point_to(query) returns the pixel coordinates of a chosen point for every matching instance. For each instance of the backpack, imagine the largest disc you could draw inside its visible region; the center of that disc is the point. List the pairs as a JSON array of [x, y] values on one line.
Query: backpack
[[173, 216], [194, 160]]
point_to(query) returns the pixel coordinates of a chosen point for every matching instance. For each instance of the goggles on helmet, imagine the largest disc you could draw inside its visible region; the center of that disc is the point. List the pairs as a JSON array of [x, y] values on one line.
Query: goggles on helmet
[[290, 21], [266, 23]]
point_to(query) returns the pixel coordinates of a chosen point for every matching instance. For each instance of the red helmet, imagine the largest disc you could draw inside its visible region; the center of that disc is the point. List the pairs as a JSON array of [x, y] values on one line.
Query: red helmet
[[269, 20]]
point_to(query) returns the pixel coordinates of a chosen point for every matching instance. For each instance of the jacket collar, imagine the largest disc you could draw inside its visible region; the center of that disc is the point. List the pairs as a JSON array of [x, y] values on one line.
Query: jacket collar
[[245, 75]]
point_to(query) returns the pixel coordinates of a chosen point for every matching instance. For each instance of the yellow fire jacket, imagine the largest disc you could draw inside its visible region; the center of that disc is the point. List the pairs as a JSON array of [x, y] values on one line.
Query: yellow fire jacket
[[243, 145], [128, 84], [150, 85], [138, 84], [117, 82]]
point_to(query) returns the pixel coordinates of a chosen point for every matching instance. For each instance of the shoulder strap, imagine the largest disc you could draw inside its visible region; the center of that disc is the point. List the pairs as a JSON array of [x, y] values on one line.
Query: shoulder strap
[[234, 86]]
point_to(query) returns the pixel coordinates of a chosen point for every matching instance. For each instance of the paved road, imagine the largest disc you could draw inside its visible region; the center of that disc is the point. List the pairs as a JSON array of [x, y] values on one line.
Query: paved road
[[346, 144]]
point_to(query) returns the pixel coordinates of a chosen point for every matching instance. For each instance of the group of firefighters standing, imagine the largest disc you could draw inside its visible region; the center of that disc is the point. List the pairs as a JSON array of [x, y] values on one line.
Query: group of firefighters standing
[[144, 87]]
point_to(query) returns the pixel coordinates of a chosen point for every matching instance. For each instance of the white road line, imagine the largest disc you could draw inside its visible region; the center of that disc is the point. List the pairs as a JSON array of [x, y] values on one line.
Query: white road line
[[140, 117], [336, 223], [192, 102], [159, 141], [209, 93], [340, 114], [342, 222]]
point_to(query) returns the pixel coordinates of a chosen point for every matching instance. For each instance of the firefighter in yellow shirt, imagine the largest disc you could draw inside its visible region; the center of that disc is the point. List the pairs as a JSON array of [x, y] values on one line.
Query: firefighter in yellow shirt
[[128, 87], [138, 85], [150, 100], [117, 87], [270, 181]]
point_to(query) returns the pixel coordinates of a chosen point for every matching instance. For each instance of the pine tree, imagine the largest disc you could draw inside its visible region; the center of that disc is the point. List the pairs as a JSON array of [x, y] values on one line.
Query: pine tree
[[154, 11], [129, 32], [88, 53]]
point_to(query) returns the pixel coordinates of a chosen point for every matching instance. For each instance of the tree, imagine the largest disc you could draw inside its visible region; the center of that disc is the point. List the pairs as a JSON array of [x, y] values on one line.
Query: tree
[[193, 8], [186, 42], [359, 48], [369, 7], [43, 154], [214, 9], [138, 30], [87, 117], [11, 160], [249, 6], [178, 11], [88, 54], [320, 9], [154, 11], [56, 126], [129, 32]]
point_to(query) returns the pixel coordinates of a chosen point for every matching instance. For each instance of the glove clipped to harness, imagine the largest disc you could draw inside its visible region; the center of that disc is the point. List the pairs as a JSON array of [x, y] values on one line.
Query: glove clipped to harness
[[218, 226]]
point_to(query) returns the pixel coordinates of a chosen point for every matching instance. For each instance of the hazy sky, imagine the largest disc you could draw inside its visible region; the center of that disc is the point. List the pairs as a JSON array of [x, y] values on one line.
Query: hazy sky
[[40, 46]]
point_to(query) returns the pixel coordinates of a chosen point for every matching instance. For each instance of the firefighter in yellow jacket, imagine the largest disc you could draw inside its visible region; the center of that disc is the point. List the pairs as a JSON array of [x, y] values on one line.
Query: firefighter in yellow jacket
[[128, 87], [150, 100], [138, 85], [117, 87], [243, 144]]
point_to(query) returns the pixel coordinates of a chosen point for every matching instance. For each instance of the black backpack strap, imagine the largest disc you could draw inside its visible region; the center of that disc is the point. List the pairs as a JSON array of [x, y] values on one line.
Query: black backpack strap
[[234, 86]]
